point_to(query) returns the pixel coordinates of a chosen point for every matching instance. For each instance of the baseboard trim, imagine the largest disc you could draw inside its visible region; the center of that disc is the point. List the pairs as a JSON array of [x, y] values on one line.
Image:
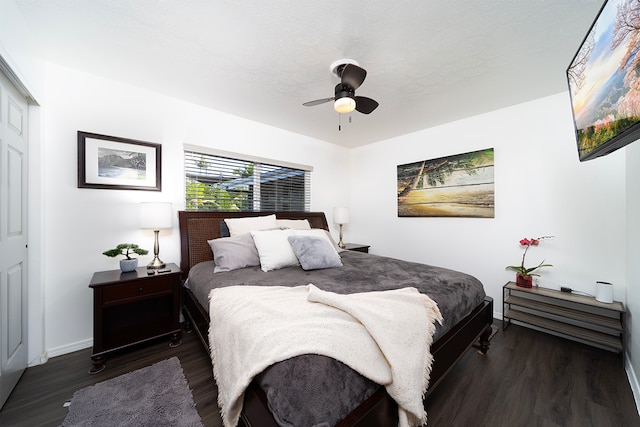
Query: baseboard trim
[[40, 360], [70, 348], [633, 381]]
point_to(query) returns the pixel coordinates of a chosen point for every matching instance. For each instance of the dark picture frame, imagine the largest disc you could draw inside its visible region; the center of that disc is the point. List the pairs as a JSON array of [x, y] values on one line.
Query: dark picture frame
[[113, 163]]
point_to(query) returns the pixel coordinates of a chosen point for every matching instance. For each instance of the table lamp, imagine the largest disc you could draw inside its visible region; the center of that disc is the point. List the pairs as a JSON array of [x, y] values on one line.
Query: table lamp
[[156, 216], [341, 217]]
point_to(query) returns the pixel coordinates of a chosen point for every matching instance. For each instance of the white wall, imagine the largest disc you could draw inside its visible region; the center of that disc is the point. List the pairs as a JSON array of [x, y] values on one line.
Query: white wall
[[82, 223], [633, 260], [18, 47], [540, 189]]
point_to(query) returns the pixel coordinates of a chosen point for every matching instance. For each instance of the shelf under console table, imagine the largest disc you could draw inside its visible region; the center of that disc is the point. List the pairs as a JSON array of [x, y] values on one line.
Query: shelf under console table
[[577, 317]]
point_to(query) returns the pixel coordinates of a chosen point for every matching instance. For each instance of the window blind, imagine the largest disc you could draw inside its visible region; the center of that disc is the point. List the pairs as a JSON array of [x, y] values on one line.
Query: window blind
[[221, 183]]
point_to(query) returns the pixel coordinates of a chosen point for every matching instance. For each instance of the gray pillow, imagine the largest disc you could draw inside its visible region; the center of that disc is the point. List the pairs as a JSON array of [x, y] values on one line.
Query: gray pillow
[[224, 229], [314, 252], [232, 253]]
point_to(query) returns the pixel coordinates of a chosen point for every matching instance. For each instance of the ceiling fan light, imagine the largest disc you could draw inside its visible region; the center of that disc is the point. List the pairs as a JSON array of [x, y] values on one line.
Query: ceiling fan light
[[344, 105]]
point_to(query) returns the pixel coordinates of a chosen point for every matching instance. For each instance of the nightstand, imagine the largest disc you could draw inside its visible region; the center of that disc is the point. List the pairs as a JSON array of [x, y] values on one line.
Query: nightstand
[[131, 308], [357, 247]]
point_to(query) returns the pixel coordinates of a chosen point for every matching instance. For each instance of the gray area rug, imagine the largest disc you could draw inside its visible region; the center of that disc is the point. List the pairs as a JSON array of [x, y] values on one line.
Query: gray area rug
[[157, 395]]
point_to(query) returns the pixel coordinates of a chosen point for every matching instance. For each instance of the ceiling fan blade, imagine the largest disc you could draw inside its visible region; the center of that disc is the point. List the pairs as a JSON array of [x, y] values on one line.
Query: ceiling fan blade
[[365, 105], [317, 102], [353, 76]]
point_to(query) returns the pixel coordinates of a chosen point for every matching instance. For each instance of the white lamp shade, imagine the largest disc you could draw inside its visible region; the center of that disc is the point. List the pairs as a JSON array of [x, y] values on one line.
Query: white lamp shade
[[156, 216], [341, 215], [344, 105]]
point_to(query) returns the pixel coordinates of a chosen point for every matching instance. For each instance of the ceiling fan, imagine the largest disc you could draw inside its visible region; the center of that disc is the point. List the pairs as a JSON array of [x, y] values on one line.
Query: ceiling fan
[[351, 77]]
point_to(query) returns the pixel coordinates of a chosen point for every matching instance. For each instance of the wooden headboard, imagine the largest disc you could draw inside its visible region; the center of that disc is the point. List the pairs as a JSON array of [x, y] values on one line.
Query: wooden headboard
[[198, 227]]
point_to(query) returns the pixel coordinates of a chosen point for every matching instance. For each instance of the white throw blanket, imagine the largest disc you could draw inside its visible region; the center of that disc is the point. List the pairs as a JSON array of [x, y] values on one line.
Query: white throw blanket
[[385, 336]]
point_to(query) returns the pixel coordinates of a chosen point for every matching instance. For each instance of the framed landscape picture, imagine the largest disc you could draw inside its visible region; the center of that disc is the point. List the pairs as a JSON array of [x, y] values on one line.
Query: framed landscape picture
[[109, 162], [454, 186]]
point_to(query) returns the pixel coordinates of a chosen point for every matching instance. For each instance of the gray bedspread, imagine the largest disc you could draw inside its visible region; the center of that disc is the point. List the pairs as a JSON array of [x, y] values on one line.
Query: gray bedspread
[[297, 399]]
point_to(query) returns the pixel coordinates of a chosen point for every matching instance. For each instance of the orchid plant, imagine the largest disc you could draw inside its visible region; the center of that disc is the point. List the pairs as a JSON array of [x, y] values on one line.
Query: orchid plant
[[523, 271]]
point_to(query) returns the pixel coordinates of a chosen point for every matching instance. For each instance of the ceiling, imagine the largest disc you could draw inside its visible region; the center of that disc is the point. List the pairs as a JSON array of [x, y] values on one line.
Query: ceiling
[[428, 62]]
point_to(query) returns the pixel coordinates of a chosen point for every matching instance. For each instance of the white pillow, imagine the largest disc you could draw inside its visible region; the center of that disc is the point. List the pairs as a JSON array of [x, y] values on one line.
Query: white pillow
[[274, 249], [238, 226], [318, 232], [294, 224]]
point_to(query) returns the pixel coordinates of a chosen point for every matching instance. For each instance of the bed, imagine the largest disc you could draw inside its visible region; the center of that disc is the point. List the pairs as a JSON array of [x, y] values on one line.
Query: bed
[[471, 328]]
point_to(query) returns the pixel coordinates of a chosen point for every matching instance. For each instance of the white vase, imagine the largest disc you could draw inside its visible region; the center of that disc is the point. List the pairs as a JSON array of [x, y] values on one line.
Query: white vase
[[127, 265]]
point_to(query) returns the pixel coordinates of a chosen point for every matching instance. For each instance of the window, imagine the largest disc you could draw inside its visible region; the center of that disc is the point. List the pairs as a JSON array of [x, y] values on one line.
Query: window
[[221, 181]]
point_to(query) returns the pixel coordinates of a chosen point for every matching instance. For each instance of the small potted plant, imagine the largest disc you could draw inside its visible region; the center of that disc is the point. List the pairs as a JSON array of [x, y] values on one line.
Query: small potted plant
[[523, 274], [127, 249]]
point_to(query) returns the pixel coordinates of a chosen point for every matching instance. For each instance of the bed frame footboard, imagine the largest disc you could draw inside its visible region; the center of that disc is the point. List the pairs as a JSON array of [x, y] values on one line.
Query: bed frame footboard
[[379, 410], [449, 349]]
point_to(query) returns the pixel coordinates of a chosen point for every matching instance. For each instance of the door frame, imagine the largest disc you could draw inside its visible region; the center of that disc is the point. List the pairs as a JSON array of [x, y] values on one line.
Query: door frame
[[36, 350]]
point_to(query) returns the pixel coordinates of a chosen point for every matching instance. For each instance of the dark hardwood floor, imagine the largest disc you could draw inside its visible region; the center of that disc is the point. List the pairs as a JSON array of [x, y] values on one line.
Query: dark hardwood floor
[[39, 397], [527, 379]]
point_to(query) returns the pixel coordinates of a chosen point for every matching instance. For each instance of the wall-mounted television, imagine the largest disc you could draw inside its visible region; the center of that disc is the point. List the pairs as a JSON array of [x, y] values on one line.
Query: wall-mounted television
[[604, 81]]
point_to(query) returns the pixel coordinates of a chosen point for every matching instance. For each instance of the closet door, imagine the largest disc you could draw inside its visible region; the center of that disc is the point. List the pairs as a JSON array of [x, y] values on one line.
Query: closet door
[[13, 237]]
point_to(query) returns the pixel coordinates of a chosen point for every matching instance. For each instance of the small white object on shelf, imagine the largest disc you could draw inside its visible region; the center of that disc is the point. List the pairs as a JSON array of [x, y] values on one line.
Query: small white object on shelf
[[604, 292]]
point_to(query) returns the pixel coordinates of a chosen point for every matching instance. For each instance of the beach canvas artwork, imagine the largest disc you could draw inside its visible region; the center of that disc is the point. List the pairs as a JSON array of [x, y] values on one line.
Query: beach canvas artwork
[[461, 185]]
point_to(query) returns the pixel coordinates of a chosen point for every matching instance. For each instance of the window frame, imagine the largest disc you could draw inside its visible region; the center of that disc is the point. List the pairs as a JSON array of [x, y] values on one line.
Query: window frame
[[248, 194]]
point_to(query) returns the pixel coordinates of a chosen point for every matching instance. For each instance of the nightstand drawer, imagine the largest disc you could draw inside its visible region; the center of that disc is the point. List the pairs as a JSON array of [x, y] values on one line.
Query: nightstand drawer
[[137, 290]]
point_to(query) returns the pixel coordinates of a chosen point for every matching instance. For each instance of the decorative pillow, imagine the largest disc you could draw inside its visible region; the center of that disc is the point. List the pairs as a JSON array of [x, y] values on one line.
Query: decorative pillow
[[294, 224], [274, 249], [334, 243], [224, 230], [314, 252], [319, 232], [232, 253], [244, 225]]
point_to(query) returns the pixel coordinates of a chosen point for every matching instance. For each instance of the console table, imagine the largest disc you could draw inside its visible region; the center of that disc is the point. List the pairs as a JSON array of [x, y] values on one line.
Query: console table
[[577, 317]]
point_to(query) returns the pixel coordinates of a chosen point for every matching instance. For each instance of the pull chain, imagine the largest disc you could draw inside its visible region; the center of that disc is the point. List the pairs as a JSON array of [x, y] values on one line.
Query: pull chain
[[340, 121]]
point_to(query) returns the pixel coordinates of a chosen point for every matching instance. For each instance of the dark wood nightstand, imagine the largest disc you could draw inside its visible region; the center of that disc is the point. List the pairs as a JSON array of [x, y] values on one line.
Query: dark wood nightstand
[[131, 308], [357, 247]]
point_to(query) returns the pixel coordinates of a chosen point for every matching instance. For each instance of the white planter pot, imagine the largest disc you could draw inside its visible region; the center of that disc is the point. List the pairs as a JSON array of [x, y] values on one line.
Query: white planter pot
[[127, 265]]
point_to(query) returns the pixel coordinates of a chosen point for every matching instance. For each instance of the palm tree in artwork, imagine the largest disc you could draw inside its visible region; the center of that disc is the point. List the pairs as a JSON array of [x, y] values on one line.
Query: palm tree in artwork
[[436, 171]]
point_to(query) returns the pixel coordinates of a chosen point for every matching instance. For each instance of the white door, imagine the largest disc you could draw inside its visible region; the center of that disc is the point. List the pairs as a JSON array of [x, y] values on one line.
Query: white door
[[13, 237]]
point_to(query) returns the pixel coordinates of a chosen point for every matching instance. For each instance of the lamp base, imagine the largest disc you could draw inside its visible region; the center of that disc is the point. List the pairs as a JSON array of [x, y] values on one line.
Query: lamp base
[[156, 263]]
